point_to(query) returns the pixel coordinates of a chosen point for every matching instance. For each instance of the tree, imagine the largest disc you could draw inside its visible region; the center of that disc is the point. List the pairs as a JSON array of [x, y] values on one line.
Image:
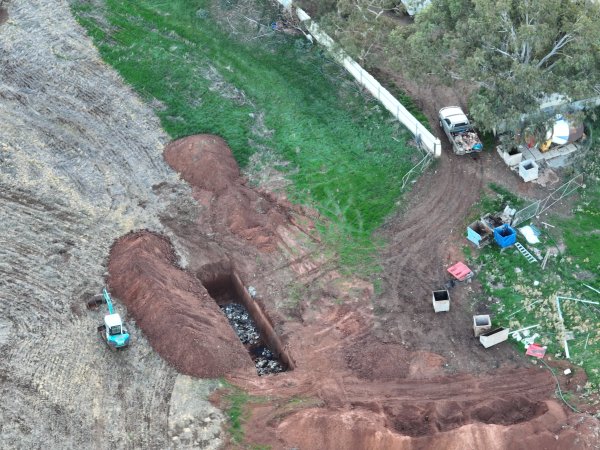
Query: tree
[[361, 27], [514, 52]]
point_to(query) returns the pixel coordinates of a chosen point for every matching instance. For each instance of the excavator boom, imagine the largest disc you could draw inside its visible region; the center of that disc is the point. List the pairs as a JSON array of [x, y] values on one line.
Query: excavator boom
[[108, 301]]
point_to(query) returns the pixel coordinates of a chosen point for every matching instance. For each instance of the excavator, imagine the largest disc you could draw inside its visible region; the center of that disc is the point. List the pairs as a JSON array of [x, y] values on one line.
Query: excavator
[[112, 330]]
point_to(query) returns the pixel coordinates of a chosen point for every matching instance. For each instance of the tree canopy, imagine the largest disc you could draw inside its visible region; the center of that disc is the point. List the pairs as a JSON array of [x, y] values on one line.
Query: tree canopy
[[516, 52]]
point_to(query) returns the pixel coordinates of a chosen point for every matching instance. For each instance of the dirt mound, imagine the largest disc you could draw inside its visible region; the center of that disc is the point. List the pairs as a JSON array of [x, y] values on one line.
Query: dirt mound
[[207, 164], [552, 430], [427, 418], [183, 324]]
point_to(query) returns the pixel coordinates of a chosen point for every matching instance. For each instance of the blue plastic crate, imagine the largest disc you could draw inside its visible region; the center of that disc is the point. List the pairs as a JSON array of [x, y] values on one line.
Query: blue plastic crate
[[505, 235]]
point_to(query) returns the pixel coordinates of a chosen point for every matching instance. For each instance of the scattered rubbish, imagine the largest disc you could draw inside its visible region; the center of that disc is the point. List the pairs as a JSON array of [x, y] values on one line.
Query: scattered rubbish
[[545, 261], [593, 289], [562, 324], [517, 337], [242, 323], [252, 291], [441, 301], [505, 235], [481, 231], [508, 214], [548, 225], [536, 283], [528, 170], [558, 387], [518, 270], [586, 341], [536, 350], [481, 324], [460, 271], [526, 328], [578, 300], [530, 233], [569, 335], [530, 340], [265, 360], [567, 371], [494, 337], [528, 256]]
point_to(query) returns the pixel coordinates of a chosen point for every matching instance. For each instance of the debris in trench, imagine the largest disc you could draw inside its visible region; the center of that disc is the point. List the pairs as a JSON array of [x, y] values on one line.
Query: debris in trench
[[265, 360], [242, 323]]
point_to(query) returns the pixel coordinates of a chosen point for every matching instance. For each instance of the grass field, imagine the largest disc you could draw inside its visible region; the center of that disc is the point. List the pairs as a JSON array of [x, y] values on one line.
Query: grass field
[[523, 294], [264, 92]]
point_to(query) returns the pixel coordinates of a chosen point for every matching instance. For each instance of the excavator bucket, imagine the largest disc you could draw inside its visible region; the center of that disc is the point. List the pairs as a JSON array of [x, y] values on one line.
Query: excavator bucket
[[95, 302]]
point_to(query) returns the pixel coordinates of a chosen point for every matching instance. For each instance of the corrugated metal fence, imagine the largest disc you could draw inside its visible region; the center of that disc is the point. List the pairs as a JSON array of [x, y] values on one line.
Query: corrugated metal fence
[[423, 137]]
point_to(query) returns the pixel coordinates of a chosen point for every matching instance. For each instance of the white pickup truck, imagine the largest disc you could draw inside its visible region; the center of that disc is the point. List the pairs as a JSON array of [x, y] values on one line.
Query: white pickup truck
[[460, 133]]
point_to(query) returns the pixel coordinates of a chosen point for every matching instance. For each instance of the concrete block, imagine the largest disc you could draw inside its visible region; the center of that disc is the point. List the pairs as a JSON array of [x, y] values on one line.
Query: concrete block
[[510, 159], [528, 170], [481, 324], [494, 337], [441, 301]]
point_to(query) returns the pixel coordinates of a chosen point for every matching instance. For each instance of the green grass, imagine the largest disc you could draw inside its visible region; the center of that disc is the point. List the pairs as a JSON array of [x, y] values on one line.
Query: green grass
[[237, 413], [528, 296], [345, 155], [236, 403]]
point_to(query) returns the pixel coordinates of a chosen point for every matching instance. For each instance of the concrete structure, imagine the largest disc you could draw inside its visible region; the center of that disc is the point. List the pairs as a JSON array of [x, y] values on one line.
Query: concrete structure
[[481, 324], [441, 301], [494, 337], [555, 157], [528, 170], [510, 159]]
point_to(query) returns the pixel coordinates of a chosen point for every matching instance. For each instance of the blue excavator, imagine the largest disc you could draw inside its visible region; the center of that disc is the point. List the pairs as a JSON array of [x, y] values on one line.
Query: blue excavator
[[112, 330]]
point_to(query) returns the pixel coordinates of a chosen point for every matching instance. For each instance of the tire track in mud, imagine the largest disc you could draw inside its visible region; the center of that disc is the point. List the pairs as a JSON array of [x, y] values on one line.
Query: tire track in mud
[[423, 241]]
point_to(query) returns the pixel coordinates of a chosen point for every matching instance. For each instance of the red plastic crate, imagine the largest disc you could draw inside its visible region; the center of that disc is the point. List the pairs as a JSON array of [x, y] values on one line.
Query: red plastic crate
[[460, 271]]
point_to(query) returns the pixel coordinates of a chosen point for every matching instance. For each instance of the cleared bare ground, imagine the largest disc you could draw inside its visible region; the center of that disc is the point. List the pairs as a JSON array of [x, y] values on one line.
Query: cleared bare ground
[[79, 154]]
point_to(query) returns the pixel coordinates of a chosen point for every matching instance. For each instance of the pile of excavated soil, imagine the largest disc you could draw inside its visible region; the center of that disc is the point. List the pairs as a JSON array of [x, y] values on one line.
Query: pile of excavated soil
[[553, 430], [207, 164], [182, 322]]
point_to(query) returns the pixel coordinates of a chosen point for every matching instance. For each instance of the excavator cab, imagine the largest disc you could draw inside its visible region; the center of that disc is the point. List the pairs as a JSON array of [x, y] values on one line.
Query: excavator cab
[[113, 331], [116, 334]]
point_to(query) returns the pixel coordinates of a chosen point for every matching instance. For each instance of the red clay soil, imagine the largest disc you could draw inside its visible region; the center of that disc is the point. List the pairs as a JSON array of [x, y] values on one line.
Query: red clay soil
[[394, 376], [207, 164], [183, 324]]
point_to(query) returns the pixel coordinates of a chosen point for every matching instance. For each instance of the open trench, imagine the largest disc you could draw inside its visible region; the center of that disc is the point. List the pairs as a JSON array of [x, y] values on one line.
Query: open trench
[[247, 318]]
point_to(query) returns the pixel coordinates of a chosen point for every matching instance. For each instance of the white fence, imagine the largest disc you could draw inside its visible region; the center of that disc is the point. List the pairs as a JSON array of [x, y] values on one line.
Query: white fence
[[423, 137]]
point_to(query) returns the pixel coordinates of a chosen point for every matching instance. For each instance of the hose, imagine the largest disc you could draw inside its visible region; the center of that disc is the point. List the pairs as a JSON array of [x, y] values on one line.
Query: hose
[[558, 389]]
